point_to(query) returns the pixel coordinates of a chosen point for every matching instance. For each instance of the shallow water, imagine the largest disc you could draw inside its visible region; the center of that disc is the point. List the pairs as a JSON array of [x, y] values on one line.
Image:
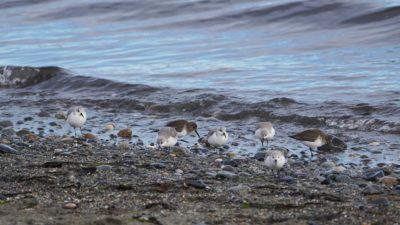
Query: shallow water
[[315, 51]]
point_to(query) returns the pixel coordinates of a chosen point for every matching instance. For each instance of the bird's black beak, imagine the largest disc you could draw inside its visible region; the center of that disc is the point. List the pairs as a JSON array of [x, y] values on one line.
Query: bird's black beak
[[224, 134], [276, 161], [197, 133], [82, 115]]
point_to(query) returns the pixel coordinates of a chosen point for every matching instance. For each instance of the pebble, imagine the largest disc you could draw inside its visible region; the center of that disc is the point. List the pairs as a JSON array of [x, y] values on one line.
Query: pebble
[[328, 165], [389, 181], [43, 114], [53, 124], [228, 168], [379, 201], [140, 142], [244, 174], [372, 189], [125, 133], [218, 160], [104, 168], [6, 123], [7, 149], [196, 184], [226, 175], [240, 189], [339, 169], [211, 174], [180, 151], [67, 139], [8, 132], [179, 171], [375, 143], [109, 127], [60, 115], [89, 136], [335, 144], [70, 205], [29, 118], [373, 175], [123, 145], [260, 156], [231, 154]]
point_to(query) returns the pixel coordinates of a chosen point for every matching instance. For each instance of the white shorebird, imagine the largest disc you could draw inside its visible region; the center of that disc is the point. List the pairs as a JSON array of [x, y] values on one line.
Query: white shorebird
[[313, 138], [265, 131], [167, 137], [76, 117], [183, 127], [217, 137], [275, 160]]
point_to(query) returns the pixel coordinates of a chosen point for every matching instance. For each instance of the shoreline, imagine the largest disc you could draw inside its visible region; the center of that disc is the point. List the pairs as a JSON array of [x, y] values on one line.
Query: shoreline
[[55, 180]]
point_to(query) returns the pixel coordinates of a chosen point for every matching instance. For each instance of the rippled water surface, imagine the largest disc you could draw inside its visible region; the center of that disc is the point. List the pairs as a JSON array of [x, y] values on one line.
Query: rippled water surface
[[313, 50]]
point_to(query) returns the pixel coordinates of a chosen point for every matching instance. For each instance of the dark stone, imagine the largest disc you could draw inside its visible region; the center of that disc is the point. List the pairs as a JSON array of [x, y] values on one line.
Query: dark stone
[[19, 122], [260, 156], [340, 178], [196, 184], [157, 165], [231, 162], [53, 124], [228, 168], [29, 118], [372, 189], [139, 142], [334, 145], [53, 164], [43, 114], [6, 123], [235, 144], [379, 202], [8, 132], [226, 175], [7, 149], [373, 174]]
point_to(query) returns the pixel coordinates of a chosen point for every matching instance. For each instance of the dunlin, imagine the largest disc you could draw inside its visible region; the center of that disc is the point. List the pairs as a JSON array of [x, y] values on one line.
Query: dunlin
[[275, 160], [167, 137], [265, 132], [76, 117], [313, 138], [183, 127], [217, 137]]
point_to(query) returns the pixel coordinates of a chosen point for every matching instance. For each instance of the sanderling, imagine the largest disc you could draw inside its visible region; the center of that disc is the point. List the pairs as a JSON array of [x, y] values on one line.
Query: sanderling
[[183, 127], [76, 117], [167, 137], [275, 160], [265, 131], [217, 137], [312, 138]]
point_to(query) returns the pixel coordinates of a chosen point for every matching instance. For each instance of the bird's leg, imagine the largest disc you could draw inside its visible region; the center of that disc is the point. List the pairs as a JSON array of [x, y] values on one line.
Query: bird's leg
[[75, 132], [262, 142], [267, 144], [312, 155], [80, 129], [278, 173]]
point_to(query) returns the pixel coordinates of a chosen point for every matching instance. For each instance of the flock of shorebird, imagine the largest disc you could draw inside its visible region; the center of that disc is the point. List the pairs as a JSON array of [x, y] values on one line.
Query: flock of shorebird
[[217, 137]]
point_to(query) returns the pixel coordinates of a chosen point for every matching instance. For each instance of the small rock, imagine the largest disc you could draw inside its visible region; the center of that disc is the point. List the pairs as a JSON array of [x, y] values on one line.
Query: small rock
[[235, 144], [228, 168], [240, 189], [139, 142], [104, 168], [211, 174], [218, 160], [226, 175], [60, 116], [70, 205], [23, 132], [328, 165], [89, 136], [29, 118], [260, 156], [389, 181], [8, 132], [373, 175], [231, 154], [109, 127], [372, 189], [7, 149], [179, 171], [339, 169], [67, 139], [196, 184], [379, 201], [53, 124], [244, 174], [157, 165], [6, 123], [125, 133], [180, 151], [43, 114], [375, 143], [341, 178]]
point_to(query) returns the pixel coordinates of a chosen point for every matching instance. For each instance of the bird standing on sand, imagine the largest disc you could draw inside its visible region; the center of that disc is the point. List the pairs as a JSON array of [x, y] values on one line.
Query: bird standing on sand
[[217, 137], [183, 127], [167, 137], [265, 131], [275, 160], [76, 117], [313, 138]]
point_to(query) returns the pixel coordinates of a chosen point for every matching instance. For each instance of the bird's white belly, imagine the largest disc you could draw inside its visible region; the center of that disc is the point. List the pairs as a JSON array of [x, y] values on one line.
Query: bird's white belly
[[171, 141], [76, 121], [217, 141], [314, 144], [269, 135]]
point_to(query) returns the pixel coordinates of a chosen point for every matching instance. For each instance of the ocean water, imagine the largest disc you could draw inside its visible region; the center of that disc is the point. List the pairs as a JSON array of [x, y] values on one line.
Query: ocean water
[[310, 50]]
